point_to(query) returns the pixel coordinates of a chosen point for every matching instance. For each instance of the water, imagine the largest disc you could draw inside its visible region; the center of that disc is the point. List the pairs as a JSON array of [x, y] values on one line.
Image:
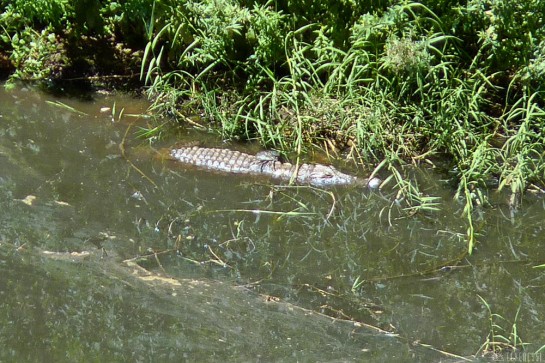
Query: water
[[236, 268]]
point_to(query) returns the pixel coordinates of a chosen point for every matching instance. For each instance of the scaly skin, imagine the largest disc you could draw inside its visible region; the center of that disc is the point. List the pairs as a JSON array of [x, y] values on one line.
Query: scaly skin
[[230, 161], [268, 155]]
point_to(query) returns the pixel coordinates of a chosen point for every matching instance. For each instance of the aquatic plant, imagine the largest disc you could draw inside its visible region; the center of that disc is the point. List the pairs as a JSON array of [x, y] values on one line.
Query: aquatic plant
[[497, 342]]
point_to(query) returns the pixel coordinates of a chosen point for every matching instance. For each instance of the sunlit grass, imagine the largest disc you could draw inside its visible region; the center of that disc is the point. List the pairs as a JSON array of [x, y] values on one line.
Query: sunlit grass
[[387, 99]]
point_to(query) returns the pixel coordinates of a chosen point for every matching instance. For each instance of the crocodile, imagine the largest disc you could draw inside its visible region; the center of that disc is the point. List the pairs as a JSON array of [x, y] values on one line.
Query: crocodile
[[267, 163]]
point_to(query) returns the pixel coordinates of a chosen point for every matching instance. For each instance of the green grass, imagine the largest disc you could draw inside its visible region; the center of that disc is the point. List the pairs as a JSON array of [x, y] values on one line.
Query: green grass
[[500, 340], [399, 83], [401, 90]]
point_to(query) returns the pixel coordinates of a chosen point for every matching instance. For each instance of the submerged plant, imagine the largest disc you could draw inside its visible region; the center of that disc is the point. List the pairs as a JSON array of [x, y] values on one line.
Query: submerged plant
[[497, 342]]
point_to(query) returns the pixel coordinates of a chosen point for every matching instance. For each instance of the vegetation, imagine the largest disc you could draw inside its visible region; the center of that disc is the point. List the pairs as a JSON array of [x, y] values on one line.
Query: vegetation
[[388, 82], [497, 343], [57, 42]]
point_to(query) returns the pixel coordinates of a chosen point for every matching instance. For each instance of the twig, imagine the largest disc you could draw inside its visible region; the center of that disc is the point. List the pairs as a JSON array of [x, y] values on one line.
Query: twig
[[221, 263], [190, 121]]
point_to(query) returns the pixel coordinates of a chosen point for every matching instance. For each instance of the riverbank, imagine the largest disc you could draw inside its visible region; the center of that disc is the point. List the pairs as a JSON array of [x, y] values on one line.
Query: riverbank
[[382, 85]]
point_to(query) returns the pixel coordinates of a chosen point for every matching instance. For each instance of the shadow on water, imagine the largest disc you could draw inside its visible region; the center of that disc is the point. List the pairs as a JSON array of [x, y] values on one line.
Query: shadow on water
[[233, 267]]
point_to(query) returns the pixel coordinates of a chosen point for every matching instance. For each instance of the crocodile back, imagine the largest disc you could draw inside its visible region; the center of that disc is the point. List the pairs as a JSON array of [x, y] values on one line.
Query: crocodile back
[[231, 161]]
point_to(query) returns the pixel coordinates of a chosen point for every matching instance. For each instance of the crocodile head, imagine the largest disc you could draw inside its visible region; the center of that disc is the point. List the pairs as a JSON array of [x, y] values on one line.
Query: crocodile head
[[324, 175]]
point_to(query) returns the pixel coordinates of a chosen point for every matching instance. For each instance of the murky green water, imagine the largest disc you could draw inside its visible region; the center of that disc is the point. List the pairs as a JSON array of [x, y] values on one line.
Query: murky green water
[[259, 269]]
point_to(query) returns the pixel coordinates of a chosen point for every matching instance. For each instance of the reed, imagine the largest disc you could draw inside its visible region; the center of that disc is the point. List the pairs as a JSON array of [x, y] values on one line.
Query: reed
[[395, 92], [499, 339]]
